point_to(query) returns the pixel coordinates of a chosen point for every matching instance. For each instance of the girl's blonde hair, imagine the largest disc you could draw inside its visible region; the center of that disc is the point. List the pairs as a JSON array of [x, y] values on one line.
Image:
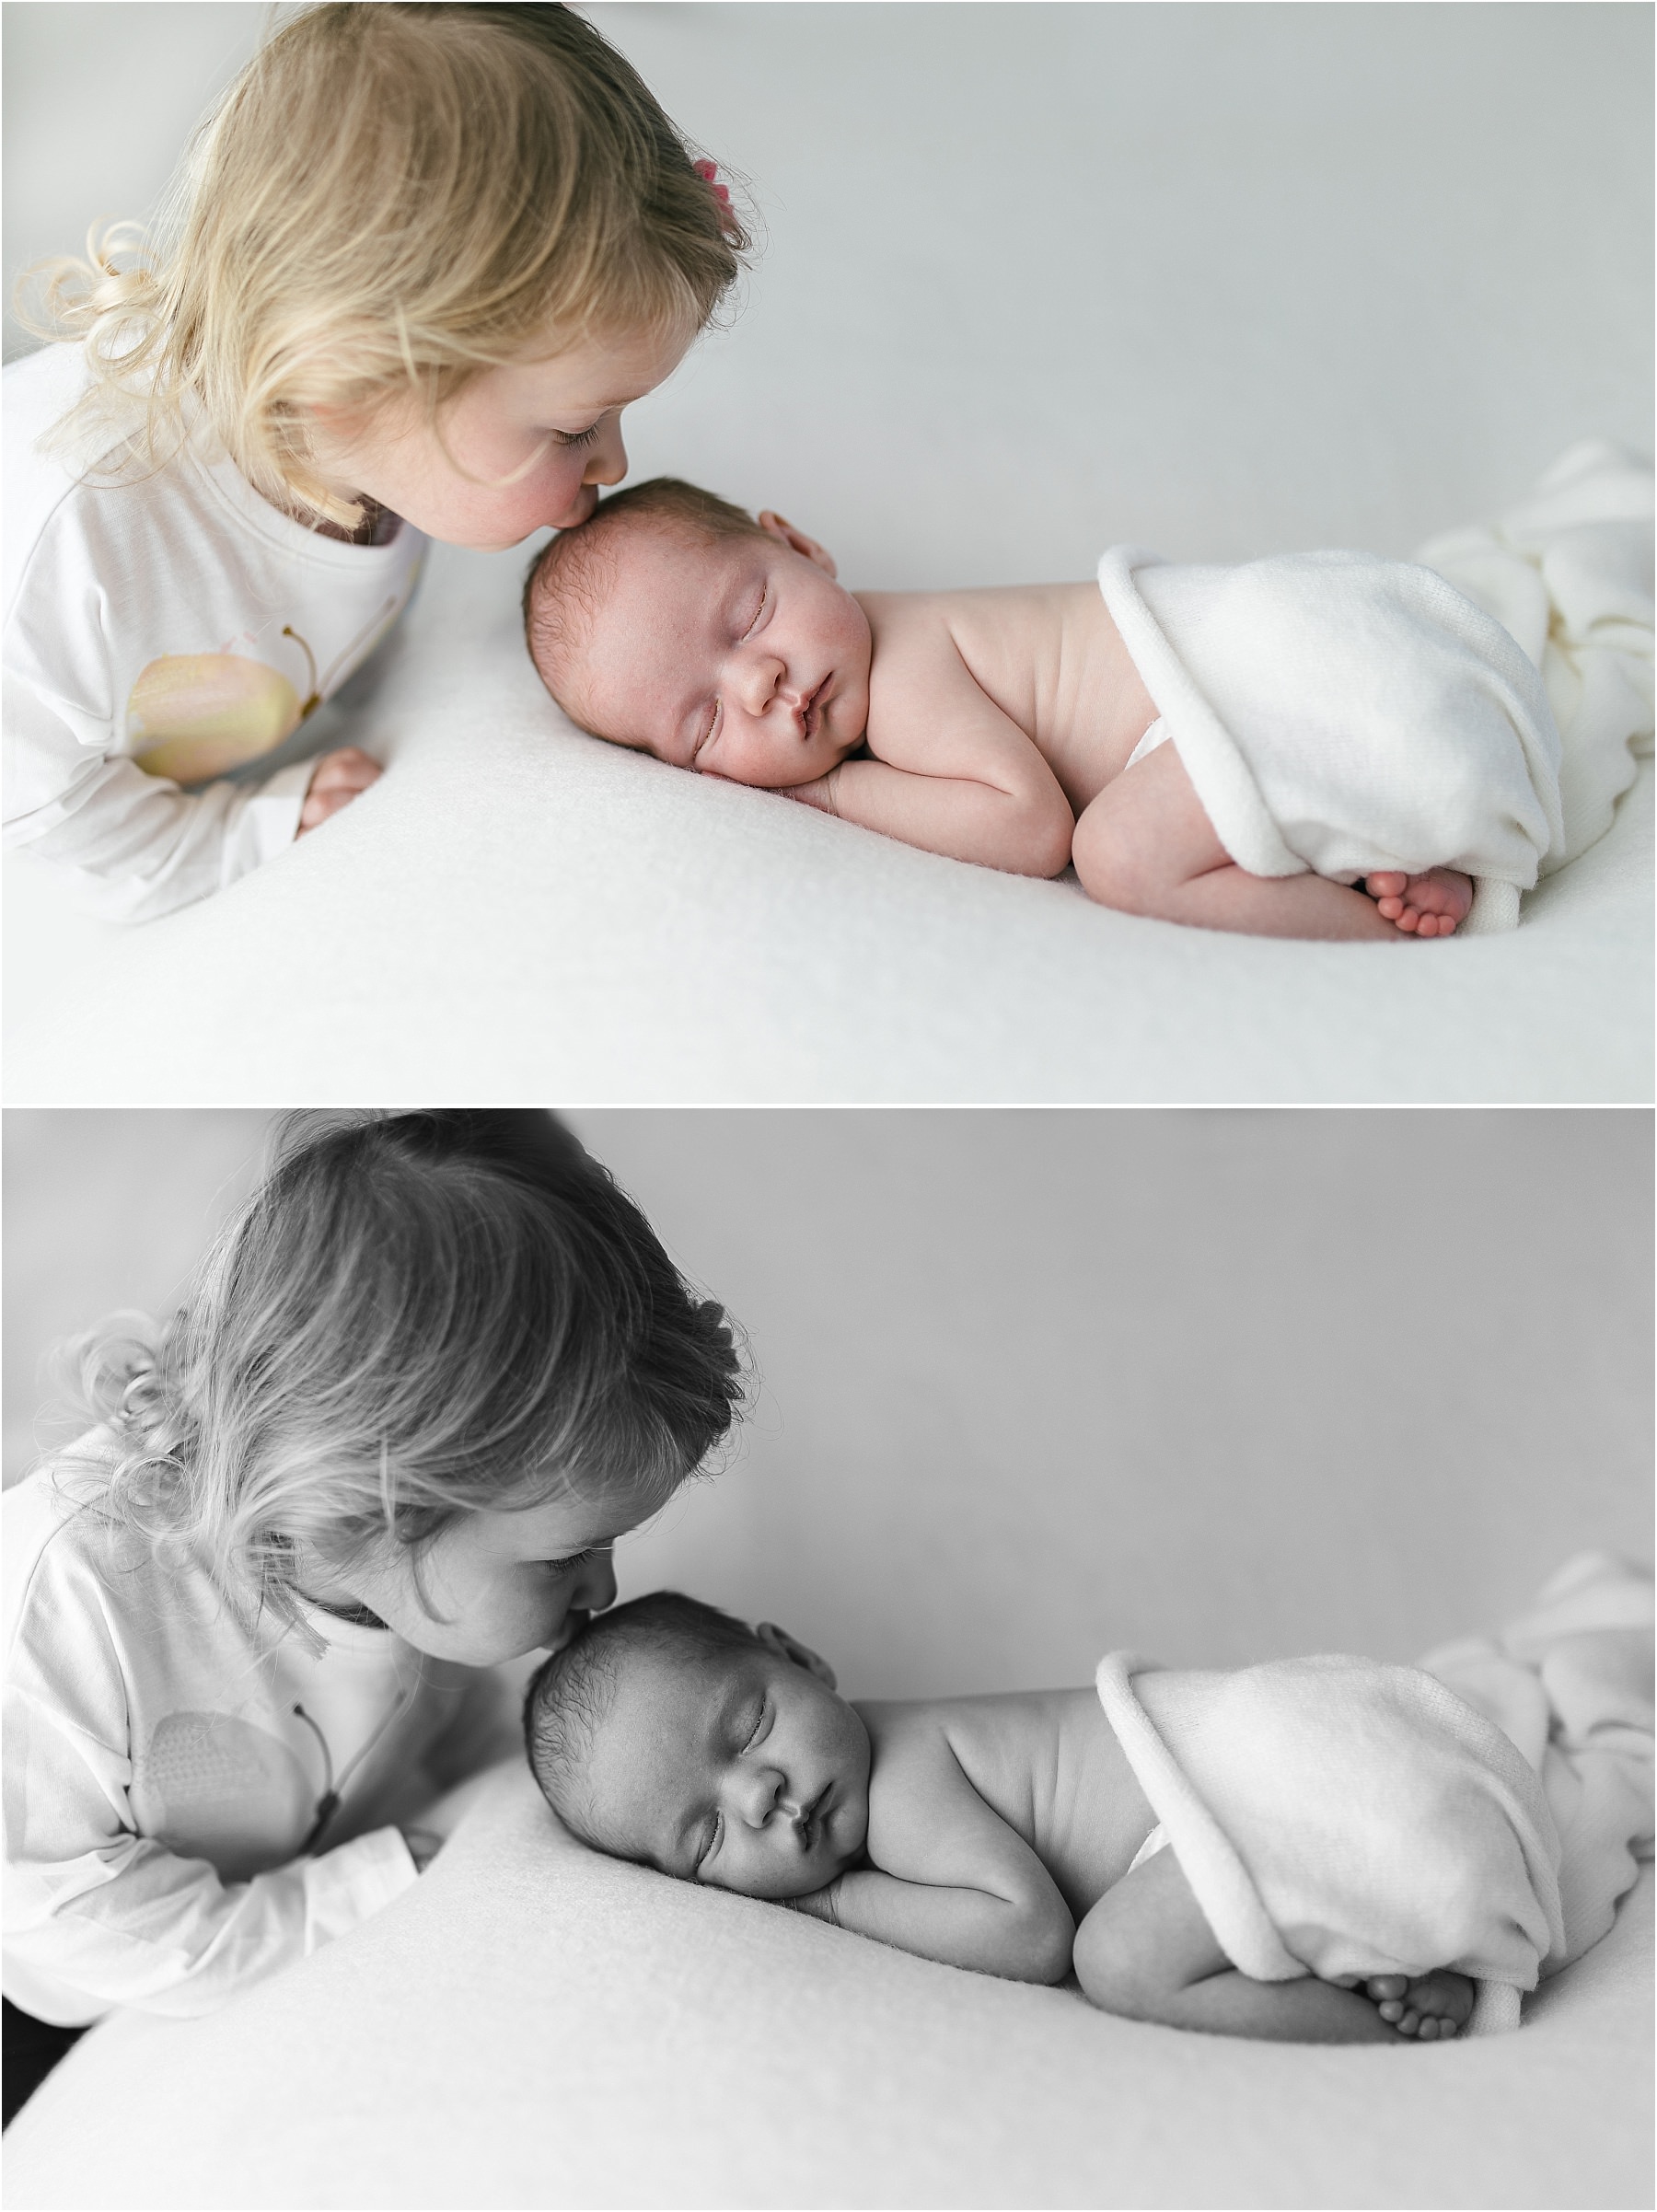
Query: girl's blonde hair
[[392, 198], [412, 1318]]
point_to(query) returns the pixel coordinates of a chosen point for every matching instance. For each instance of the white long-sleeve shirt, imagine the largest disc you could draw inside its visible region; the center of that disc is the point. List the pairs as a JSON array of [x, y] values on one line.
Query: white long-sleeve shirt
[[164, 1764], [160, 631]]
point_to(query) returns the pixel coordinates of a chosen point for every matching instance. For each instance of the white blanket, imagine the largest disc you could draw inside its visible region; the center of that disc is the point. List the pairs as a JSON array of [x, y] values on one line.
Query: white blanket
[[1344, 1818], [1344, 713]]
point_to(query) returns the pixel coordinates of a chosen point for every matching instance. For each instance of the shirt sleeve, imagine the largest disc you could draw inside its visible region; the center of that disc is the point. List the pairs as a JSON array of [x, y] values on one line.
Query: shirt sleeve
[[97, 1916], [136, 845]]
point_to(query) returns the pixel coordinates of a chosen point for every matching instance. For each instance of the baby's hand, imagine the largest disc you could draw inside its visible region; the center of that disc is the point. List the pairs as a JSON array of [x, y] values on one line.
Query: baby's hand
[[339, 778]]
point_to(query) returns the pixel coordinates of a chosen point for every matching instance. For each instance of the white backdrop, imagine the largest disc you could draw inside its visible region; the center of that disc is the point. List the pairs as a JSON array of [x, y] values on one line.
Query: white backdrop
[[1221, 278], [1034, 1384]]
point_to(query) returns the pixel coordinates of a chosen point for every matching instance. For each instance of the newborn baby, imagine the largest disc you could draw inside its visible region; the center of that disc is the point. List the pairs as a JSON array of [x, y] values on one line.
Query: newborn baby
[[1352, 740], [1005, 1834]]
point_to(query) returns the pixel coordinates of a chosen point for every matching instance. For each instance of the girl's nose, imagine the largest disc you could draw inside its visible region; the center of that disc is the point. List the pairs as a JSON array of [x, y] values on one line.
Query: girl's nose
[[596, 1589], [606, 464]]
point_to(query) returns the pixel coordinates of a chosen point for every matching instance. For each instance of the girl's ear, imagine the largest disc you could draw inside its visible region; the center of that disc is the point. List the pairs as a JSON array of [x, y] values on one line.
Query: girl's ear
[[800, 1655], [797, 539]]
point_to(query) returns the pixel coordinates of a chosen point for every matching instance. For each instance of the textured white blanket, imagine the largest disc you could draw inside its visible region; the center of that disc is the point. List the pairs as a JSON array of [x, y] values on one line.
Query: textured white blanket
[[1344, 713], [1343, 1818]]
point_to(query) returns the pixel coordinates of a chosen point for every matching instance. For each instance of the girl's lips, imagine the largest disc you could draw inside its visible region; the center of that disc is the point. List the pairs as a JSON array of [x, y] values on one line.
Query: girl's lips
[[811, 710]]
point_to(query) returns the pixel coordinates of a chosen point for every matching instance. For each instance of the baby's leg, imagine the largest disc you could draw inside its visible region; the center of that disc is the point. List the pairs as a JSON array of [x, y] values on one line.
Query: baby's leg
[[1145, 1950], [1431, 2006], [1146, 845]]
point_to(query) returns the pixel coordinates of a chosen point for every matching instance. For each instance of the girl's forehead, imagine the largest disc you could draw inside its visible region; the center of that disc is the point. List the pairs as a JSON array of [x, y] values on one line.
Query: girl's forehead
[[562, 1524], [598, 374]]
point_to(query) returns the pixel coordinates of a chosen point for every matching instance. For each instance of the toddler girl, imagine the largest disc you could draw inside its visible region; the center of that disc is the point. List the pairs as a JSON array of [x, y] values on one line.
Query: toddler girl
[[424, 256], [414, 1395]]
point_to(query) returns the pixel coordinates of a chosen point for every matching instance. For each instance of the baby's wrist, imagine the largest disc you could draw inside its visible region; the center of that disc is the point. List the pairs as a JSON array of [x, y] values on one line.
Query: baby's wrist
[[819, 1904], [818, 793]]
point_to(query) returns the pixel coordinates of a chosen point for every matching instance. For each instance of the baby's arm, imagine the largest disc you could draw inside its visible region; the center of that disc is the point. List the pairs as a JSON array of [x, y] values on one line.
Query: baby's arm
[[952, 1880], [1147, 1951], [951, 773]]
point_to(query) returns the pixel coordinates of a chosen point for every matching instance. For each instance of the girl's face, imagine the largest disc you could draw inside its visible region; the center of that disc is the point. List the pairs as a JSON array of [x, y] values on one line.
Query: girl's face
[[521, 448], [496, 1584]]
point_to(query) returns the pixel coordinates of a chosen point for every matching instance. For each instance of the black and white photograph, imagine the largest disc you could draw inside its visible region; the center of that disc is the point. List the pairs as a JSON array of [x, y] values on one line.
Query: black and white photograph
[[827, 1119], [837, 1658]]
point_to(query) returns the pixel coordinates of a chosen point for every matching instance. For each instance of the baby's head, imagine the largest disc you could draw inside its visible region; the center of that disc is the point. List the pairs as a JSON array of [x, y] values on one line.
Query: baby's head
[[678, 624], [672, 1735]]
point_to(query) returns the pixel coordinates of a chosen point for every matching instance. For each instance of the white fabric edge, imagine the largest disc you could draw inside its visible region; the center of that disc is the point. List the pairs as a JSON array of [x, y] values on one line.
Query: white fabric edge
[[1219, 773]]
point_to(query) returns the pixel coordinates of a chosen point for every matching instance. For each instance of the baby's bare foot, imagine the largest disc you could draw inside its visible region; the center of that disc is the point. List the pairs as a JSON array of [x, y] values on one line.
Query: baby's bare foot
[[1432, 2007], [1422, 905]]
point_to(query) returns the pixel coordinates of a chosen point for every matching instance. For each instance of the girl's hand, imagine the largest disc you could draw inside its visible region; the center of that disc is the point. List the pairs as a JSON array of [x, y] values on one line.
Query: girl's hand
[[339, 778]]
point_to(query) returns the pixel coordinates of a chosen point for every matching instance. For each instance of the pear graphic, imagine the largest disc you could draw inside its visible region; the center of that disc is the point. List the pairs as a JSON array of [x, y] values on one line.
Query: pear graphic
[[196, 715]]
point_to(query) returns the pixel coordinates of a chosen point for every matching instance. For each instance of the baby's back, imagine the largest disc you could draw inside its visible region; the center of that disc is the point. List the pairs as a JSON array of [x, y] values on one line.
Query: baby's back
[[1047, 1761], [1048, 654]]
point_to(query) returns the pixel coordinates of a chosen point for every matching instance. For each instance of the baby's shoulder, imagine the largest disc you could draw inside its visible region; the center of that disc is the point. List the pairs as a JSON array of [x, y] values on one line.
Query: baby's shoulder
[[907, 620]]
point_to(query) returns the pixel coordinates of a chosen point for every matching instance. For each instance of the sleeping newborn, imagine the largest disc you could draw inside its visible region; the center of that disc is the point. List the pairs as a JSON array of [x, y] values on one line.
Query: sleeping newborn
[[1011, 1834], [1321, 745]]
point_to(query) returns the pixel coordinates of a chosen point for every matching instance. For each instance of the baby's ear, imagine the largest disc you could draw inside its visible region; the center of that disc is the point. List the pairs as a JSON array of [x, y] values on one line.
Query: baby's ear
[[772, 521], [798, 1654]]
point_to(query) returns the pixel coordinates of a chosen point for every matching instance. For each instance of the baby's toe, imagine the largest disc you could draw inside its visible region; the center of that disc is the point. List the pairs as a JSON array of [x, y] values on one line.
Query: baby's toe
[[1388, 883], [1386, 1986]]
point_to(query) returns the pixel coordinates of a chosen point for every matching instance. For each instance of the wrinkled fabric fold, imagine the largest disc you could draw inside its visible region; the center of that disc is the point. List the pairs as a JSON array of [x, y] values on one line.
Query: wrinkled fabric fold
[[1477, 709], [1342, 1817]]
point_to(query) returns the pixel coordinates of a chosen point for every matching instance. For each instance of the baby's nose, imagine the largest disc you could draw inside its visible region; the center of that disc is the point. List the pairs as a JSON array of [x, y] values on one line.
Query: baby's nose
[[766, 1792], [763, 680]]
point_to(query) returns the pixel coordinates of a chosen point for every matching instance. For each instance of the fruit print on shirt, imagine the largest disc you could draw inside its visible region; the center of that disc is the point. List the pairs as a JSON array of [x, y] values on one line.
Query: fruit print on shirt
[[193, 716], [213, 1786]]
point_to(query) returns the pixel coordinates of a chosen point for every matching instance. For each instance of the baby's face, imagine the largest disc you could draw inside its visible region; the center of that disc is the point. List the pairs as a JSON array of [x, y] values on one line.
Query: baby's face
[[742, 658], [742, 1771]]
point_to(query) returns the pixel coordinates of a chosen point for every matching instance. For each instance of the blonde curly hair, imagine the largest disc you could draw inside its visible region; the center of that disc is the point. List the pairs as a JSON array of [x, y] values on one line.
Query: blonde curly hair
[[391, 199], [415, 1316]]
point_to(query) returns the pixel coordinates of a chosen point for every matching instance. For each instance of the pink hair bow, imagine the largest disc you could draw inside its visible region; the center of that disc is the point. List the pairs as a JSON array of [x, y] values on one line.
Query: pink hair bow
[[708, 171]]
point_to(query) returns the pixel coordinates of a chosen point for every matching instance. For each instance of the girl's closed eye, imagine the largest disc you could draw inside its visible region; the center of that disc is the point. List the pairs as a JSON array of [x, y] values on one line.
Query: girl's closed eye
[[575, 1559], [760, 613], [579, 437]]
